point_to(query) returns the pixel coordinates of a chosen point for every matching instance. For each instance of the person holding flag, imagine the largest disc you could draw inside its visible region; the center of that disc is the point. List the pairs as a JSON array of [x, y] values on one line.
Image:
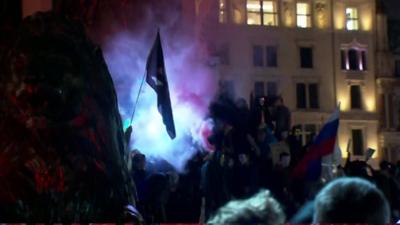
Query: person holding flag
[[324, 144], [156, 77]]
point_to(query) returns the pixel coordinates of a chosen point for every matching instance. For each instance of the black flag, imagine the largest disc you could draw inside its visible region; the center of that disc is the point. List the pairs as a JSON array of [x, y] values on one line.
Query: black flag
[[157, 79]]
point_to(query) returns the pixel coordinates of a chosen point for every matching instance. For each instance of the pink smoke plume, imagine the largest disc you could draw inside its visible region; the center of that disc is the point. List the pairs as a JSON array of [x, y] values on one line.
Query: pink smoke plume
[[192, 86]]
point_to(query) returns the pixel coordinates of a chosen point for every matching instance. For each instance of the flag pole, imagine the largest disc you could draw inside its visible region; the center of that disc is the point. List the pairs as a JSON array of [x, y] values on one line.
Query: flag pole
[[137, 98]]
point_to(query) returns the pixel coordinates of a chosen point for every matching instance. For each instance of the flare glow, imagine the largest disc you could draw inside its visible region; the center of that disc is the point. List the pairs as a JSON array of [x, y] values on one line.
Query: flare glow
[[192, 86]]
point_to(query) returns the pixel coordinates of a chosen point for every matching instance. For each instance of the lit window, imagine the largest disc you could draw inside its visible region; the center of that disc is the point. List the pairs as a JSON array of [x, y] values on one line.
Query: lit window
[[222, 11], [306, 132], [270, 13], [351, 19], [253, 12], [238, 11], [303, 15]]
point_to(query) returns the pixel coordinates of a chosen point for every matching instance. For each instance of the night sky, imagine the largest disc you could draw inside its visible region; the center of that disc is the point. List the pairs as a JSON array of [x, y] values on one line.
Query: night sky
[[393, 8]]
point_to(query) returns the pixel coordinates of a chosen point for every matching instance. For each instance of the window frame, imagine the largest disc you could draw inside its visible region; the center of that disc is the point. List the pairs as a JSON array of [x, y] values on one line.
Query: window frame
[[271, 61], [299, 103], [265, 87], [304, 134], [307, 15], [260, 84], [273, 84], [273, 13], [360, 96], [307, 96], [261, 14], [310, 102], [303, 62], [258, 63], [355, 19], [361, 54], [362, 141]]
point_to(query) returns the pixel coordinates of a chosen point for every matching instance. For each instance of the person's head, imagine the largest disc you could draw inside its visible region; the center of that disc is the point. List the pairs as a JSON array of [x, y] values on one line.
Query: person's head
[[262, 101], [262, 208], [384, 165], [139, 161], [351, 200], [241, 103]]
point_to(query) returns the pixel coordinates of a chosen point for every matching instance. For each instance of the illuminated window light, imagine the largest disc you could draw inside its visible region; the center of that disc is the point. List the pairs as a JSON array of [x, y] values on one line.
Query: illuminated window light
[[303, 15], [270, 13], [351, 19], [253, 5], [253, 12]]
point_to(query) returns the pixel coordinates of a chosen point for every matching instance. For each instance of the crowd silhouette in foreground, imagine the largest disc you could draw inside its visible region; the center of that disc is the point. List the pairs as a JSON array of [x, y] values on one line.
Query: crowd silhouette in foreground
[[247, 176]]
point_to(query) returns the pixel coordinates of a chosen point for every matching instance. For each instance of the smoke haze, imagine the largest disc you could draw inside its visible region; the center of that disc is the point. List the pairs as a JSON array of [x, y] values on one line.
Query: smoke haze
[[191, 82]]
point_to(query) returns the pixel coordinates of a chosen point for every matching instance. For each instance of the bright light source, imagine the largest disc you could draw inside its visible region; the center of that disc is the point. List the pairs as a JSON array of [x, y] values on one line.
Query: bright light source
[[351, 19], [268, 6], [303, 15]]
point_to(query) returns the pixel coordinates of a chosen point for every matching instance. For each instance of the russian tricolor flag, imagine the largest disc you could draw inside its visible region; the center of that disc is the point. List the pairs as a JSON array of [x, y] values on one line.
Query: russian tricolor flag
[[323, 145]]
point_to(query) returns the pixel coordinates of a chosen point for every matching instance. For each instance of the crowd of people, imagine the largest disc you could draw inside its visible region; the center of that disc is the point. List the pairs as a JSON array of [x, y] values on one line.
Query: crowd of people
[[223, 185]]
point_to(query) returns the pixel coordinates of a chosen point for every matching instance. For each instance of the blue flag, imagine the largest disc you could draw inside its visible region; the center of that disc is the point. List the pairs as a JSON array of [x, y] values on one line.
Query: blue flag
[[156, 77]]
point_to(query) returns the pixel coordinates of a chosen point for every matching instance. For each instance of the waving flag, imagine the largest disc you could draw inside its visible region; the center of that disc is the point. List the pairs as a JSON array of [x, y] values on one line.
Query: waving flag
[[323, 145], [157, 79]]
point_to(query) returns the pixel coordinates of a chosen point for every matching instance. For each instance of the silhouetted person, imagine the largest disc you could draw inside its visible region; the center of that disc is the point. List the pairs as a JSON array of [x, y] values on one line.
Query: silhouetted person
[[281, 116], [261, 115], [351, 200]]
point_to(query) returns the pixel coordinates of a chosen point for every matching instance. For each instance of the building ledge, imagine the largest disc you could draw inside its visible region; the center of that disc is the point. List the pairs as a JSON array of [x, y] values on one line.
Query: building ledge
[[390, 137], [308, 115], [359, 116], [391, 132], [355, 75]]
